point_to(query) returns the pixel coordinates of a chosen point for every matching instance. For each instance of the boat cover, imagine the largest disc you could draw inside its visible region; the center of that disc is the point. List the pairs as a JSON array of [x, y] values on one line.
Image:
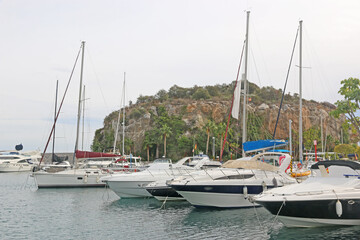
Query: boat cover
[[253, 146], [251, 164], [86, 154], [345, 163]]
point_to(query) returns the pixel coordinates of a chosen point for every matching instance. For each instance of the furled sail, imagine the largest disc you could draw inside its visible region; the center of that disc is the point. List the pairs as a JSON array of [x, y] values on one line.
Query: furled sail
[[236, 104]]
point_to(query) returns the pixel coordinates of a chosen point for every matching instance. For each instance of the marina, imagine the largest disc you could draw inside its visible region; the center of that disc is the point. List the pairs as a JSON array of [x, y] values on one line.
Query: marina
[[201, 120], [97, 213]]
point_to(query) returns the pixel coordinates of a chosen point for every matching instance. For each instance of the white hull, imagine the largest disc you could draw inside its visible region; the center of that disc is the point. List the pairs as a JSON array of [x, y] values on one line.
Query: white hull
[[68, 179], [130, 189], [162, 199], [15, 167], [316, 222], [220, 200]]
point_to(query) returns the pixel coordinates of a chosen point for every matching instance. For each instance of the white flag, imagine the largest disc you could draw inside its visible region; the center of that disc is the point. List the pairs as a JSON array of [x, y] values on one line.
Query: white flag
[[236, 104]]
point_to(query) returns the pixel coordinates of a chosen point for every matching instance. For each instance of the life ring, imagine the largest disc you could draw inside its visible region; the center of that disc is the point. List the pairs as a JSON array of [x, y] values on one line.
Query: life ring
[[299, 166]]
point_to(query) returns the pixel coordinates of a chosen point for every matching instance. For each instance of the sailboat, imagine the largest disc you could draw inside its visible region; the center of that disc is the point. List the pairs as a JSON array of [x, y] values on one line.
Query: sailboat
[[78, 176]]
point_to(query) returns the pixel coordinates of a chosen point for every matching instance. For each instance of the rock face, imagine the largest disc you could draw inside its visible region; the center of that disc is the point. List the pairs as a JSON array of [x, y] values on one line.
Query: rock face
[[195, 114]]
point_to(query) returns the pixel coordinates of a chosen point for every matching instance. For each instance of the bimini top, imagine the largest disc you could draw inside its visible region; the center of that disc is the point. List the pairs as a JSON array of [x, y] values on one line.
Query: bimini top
[[344, 163], [262, 145]]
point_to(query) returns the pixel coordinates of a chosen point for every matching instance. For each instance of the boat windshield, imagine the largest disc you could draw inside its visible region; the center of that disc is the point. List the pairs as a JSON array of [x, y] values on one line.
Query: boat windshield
[[162, 160]]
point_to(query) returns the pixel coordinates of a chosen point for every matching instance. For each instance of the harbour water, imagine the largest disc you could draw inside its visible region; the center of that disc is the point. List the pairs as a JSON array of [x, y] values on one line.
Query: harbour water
[[97, 213]]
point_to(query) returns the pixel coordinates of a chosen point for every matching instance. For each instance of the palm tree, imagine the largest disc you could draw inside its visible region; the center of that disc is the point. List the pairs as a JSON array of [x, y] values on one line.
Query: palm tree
[[166, 131], [221, 129], [209, 126], [148, 143]]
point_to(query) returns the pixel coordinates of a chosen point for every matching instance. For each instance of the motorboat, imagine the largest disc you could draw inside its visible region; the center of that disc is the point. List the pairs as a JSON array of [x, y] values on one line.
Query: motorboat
[[331, 196], [163, 192], [15, 161], [132, 185], [234, 183]]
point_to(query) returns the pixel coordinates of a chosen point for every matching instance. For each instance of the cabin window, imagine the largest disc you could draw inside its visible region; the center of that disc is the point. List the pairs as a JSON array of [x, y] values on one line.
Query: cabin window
[[237, 176]]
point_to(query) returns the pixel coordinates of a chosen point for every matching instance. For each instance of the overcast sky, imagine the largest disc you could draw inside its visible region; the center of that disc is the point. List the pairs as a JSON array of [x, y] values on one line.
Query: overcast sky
[[158, 44]]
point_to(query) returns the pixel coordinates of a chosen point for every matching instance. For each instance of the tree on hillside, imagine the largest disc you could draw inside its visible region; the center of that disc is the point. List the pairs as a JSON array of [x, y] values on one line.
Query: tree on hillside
[[350, 90], [166, 131], [149, 142], [209, 126], [220, 130]]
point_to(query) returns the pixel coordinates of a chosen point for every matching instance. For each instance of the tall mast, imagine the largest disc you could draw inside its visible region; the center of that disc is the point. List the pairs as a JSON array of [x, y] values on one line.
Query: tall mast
[[53, 147], [83, 119], [79, 105], [244, 134], [290, 138], [300, 99], [123, 133]]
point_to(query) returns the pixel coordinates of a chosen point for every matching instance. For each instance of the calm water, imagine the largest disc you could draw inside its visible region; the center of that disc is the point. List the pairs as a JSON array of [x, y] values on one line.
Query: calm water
[[27, 213]]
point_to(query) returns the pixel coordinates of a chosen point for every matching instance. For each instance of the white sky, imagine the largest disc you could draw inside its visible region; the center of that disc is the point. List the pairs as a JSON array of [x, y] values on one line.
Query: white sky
[[158, 44]]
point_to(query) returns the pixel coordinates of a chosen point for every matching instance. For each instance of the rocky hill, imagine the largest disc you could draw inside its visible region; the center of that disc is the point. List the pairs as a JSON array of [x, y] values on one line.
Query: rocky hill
[[187, 117]]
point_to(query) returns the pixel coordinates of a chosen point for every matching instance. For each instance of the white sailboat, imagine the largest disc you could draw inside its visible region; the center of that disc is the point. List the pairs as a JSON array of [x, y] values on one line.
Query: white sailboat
[[76, 177]]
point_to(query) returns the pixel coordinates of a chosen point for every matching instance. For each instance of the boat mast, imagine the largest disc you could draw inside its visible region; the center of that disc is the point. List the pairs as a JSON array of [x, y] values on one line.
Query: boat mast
[[123, 128], [290, 138], [79, 105], [83, 120], [53, 147], [244, 134], [300, 100]]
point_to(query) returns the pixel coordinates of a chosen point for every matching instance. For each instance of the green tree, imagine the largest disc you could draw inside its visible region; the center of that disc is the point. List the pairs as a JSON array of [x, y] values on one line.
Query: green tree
[[345, 149], [350, 90], [309, 136], [149, 142], [220, 130], [209, 126], [201, 93], [165, 131]]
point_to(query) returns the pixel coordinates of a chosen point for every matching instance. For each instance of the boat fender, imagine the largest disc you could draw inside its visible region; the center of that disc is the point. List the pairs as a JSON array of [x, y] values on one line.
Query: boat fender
[[338, 208], [245, 192], [97, 179], [264, 186], [85, 178]]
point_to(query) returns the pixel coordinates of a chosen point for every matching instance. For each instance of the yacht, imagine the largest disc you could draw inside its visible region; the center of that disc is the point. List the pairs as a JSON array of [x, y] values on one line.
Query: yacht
[[15, 161], [163, 192], [326, 198], [231, 185], [132, 185]]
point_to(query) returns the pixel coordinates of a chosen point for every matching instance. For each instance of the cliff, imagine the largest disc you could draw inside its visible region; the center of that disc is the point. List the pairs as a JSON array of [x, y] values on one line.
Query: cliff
[[188, 120]]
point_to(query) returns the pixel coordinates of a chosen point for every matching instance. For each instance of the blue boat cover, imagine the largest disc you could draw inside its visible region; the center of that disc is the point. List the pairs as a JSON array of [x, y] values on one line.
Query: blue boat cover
[[260, 145]]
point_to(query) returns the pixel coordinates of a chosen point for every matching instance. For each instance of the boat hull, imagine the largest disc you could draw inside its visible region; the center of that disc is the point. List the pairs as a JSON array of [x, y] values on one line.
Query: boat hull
[[64, 180], [314, 213], [165, 193], [130, 189], [219, 196], [15, 167]]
